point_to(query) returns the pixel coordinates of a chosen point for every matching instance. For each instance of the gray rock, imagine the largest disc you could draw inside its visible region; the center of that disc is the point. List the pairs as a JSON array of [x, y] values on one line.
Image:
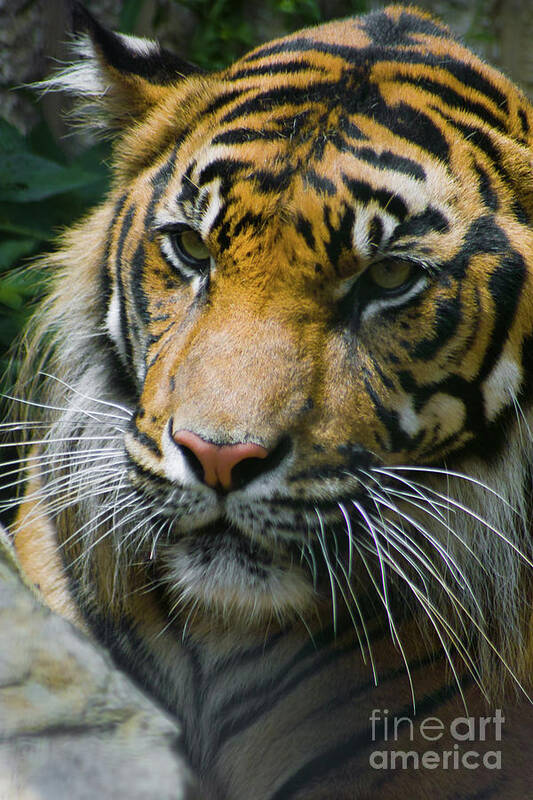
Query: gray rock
[[72, 726]]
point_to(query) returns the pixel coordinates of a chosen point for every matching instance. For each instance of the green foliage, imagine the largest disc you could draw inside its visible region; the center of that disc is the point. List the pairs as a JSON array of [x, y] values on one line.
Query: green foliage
[[129, 15], [297, 13], [40, 192], [221, 34], [224, 29]]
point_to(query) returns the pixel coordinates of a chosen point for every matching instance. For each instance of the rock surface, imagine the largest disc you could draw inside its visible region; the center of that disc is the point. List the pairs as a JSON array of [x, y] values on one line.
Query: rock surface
[[72, 726]]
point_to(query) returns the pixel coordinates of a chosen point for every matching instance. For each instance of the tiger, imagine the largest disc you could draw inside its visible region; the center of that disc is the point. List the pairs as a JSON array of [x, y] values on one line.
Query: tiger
[[278, 402]]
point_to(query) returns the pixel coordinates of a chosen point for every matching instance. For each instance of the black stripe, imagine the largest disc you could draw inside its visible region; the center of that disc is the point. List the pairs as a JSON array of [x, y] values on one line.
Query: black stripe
[[244, 135], [448, 317], [233, 726], [323, 650], [414, 126], [298, 96], [452, 98], [105, 275], [483, 142], [145, 440], [273, 181], [320, 183], [523, 120], [290, 125], [305, 228], [505, 286], [223, 168], [336, 757], [486, 190], [189, 191], [223, 100], [429, 221], [301, 44], [127, 222], [265, 70], [388, 201], [341, 237], [350, 129], [140, 299], [399, 439], [390, 161], [483, 236], [147, 475], [375, 234], [369, 56], [159, 182], [402, 120], [383, 29], [247, 221]]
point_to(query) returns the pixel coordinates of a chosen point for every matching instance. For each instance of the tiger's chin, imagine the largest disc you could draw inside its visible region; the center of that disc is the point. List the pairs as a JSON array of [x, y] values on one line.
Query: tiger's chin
[[221, 572]]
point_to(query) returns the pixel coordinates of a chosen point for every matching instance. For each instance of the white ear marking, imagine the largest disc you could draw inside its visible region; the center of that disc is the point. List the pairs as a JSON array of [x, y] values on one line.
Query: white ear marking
[[140, 46]]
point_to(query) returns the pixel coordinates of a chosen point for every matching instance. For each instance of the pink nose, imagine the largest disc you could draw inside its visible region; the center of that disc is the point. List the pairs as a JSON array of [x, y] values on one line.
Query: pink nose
[[218, 460]]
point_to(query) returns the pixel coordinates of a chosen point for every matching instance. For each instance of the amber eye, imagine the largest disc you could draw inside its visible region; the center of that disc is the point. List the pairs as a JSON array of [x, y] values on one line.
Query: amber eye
[[189, 248], [390, 275]]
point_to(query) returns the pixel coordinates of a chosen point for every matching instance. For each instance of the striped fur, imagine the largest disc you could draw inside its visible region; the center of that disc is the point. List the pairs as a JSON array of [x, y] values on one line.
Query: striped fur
[[359, 303]]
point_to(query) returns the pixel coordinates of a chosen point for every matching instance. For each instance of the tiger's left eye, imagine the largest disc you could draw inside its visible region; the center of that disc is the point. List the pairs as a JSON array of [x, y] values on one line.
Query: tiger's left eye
[[390, 275], [189, 247]]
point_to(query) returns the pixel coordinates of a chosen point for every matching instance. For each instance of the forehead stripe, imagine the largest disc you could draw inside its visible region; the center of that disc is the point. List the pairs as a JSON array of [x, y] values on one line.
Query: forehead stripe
[[319, 183], [289, 67], [427, 221], [369, 56], [365, 193], [451, 98], [387, 160]]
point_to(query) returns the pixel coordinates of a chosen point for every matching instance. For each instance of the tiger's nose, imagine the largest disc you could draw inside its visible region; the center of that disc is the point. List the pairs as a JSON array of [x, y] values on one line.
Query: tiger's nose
[[218, 461]]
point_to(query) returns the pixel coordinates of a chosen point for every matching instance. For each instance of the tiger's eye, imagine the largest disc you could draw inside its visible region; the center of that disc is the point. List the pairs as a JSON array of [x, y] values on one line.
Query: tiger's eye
[[192, 246], [390, 275]]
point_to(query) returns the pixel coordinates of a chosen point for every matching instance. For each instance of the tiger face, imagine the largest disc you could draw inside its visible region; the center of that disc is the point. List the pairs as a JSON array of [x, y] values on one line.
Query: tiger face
[[315, 279]]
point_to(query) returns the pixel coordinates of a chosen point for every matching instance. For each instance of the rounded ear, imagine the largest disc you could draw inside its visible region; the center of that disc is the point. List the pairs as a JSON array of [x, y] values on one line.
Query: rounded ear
[[115, 77]]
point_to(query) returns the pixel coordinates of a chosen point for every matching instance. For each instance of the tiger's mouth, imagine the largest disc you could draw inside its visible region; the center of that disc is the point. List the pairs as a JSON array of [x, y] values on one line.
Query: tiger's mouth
[[231, 572], [210, 540]]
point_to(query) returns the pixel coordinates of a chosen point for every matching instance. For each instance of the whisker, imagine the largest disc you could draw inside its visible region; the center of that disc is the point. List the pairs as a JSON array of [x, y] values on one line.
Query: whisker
[[126, 416], [322, 541], [451, 473]]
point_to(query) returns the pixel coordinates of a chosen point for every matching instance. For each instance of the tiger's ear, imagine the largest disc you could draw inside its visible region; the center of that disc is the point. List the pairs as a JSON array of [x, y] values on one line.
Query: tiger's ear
[[116, 78]]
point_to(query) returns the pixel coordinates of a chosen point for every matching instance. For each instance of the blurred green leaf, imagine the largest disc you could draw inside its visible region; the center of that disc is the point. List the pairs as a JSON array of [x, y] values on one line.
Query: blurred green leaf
[[11, 140], [14, 249], [24, 177], [42, 143], [129, 13], [41, 191]]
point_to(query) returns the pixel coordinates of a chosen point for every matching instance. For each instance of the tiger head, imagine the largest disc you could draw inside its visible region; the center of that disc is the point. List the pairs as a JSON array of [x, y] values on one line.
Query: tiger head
[[310, 294]]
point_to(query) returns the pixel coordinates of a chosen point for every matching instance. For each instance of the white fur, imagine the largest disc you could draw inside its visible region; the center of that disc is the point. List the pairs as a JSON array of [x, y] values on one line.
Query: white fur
[[502, 384], [376, 306], [409, 419], [140, 45], [112, 324]]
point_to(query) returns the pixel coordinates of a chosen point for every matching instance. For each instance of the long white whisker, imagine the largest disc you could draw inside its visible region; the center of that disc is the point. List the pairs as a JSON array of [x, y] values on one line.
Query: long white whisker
[[450, 473], [322, 541], [126, 416]]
